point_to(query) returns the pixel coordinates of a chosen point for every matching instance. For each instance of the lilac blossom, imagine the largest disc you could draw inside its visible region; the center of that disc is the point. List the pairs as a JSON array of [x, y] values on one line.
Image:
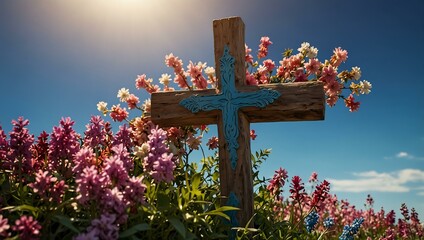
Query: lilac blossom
[[90, 184], [123, 136], [20, 155]]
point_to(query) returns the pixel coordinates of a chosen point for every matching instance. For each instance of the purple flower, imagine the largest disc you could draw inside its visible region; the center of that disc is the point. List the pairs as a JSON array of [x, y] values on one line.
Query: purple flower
[[82, 159], [95, 134], [121, 152], [134, 191], [123, 136], [4, 149], [90, 184], [114, 167], [103, 228], [63, 145], [159, 162], [27, 227], [20, 147]]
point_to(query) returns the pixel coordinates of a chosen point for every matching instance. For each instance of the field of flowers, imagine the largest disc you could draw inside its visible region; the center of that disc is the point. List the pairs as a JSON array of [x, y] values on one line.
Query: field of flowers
[[140, 182]]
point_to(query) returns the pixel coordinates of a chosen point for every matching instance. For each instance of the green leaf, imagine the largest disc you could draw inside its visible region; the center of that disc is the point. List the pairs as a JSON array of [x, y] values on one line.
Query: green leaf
[[178, 225], [67, 222], [195, 181], [134, 229]]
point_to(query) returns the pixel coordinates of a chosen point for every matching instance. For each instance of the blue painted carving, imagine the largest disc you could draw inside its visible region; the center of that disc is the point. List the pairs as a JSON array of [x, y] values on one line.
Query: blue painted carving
[[229, 101], [233, 202]]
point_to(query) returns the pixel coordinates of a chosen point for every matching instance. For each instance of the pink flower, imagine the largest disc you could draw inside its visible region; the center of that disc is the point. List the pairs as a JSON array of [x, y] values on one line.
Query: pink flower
[[90, 184], [331, 100], [118, 114], [27, 227], [181, 81], [250, 79], [101, 228], [339, 56], [132, 101], [159, 162], [64, 143], [123, 136], [277, 182], [297, 189], [142, 82], [263, 47], [4, 227], [312, 67], [20, 148], [195, 72], [313, 178], [95, 134], [300, 75], [48, 188], [134, 191], [328, 74], [212, 143], [320, 194], [248, 56], [174, 62], [269, 65], [252, 134], [332, 88], [351, 104]]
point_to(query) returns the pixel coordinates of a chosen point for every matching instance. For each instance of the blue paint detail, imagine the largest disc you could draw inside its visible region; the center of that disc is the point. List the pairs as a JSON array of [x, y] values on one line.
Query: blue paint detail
[[233, 202], [229, 101]]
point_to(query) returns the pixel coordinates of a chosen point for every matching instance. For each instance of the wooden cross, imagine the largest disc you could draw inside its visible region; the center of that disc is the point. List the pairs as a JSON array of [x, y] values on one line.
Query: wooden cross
[[233, 106]]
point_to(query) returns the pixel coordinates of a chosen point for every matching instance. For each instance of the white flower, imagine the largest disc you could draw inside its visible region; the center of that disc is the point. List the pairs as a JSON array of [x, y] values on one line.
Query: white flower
[[365, 87], [210, 71], [123, 94], [147, 106], [356, 72], [312, 53], [304, 47], [102, 107], [165, 79], [142, 151], [201, 65]]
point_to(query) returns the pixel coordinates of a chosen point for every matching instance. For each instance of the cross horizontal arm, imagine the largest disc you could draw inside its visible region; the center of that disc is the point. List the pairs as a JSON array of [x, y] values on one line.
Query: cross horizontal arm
[[301, 101]]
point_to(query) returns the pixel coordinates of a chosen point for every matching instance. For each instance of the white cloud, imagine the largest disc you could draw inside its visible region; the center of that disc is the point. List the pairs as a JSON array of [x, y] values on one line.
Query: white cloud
[[380, 182], [403, 155]]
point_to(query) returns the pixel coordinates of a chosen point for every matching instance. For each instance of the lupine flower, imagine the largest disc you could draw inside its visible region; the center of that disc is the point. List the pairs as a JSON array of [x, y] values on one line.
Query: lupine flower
[[63, 145], [114, 167], [4, 149], [90, 184], [320, 194], [95, 133], [4, 227], [103, 228], [328, 222], [48, 187], [350, 231], [20, 155], [159, 162], [40, 151], [134, 190], [123, 136], [277, 182], [27, 227], [311, 220], [297, 189]]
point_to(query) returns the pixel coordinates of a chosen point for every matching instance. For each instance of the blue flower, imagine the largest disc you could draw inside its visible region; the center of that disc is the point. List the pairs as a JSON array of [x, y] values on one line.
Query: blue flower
[[311, 220], [349, 231], [328, 222]]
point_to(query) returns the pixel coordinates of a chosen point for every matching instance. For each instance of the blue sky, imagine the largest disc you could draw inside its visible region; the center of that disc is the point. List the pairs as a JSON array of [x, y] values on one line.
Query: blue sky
[[59, 58]]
